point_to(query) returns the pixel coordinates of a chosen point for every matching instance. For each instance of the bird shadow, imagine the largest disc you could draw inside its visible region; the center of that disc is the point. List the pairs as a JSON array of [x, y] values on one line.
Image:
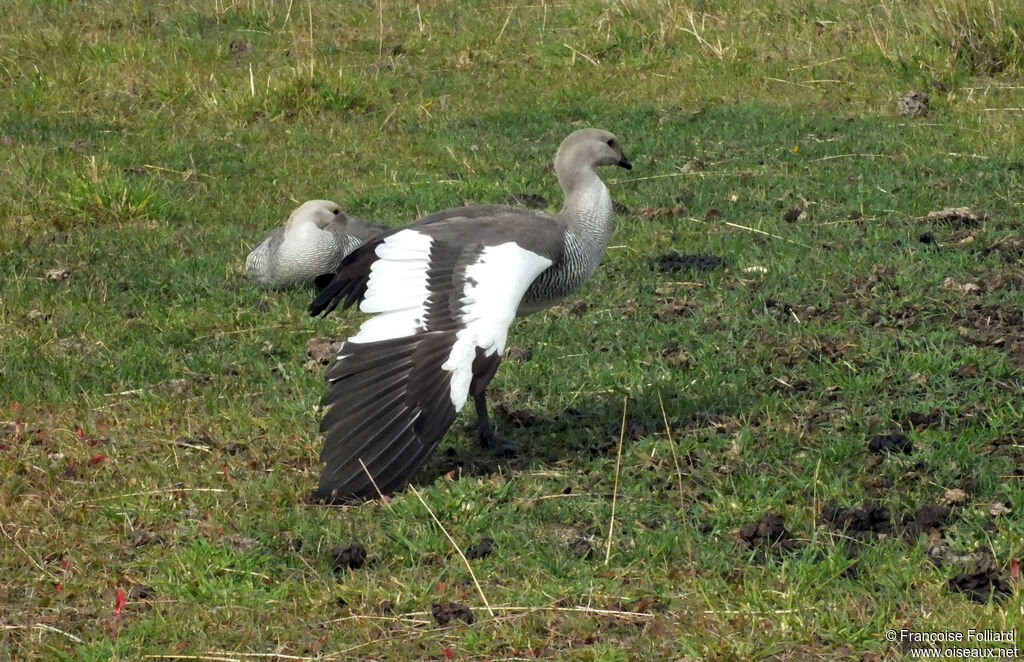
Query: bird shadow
[[577, 433]]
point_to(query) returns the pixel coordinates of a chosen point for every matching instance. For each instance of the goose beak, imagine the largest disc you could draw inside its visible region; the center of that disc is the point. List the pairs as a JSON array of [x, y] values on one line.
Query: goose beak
[[624, 163]]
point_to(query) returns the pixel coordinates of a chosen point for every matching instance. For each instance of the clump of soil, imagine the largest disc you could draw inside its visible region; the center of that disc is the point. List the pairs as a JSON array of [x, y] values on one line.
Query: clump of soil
[[788, 312], [670, 309], [528, 200], [913, 104], [768, 532], [673, 262], [870, 520], [982, 585], [480, 550], [519, 354], [929, 517], [323, 350], [957, 217], [661, 213], [446, 613], [353, 556], [794, 214], [694, 165], [896, 442], [142, 538]]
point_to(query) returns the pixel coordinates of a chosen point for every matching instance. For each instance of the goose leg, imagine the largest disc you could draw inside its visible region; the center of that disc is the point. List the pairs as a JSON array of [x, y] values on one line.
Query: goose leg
[[487, 435]]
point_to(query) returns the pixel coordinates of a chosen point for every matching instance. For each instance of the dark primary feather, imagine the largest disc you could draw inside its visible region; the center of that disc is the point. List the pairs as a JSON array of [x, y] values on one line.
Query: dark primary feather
[[388, 423]]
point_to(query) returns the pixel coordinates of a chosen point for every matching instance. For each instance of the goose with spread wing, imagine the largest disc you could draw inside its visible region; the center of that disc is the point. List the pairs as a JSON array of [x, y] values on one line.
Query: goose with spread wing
[[443, 292]]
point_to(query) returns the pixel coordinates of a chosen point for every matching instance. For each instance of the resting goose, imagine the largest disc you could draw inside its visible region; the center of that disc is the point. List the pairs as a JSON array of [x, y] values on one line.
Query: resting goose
[[444, 291], [312, 242]]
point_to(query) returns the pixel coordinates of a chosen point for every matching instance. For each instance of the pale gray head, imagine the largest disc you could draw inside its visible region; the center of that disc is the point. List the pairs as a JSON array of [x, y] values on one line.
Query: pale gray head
[[319, 212], [584, 150]]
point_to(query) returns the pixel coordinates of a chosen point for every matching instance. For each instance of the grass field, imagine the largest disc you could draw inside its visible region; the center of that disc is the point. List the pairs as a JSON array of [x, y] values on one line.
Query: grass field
[[158, 414]]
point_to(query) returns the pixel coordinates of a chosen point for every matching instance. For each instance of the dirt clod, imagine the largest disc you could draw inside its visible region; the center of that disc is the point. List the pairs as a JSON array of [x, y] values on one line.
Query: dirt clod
[[519, 354], [446, 613], [982, 585], [913, 104], [673, 262], [869, 520], [670, 309], [929, 517], [957, 217], [142, 537], [768, 531], [239, 47], [480, 550], [352, 556], [694, 165], [794, 214], [323, 350], [661, 213], [896, 442]]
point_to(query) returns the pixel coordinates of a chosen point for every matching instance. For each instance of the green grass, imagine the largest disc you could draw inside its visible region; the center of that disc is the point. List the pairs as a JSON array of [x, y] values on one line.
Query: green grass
[[145, 155]]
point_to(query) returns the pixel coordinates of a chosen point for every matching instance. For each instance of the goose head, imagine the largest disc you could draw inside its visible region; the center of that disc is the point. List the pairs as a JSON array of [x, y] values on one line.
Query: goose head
[[584, 150], [320, 213]]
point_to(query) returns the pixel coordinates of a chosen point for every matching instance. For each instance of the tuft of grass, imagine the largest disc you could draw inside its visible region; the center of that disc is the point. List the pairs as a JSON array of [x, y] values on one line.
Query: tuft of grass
[[105, 197], [987, 37]]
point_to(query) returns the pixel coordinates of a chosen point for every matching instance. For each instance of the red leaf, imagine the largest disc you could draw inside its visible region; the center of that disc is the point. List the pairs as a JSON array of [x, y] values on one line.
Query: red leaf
[[319, 643], [80, 432], [227, 473], [119, 601], [96, 459], [15, 406], [58, 587], [1015, 570], [448, 653]]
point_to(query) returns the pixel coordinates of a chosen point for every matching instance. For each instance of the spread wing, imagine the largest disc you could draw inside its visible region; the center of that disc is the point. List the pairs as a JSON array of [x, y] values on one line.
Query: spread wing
[[443, 295]]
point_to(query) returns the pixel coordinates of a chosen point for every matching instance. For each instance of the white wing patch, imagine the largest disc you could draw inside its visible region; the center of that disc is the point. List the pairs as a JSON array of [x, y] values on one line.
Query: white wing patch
[[397, 289], [495, 284]]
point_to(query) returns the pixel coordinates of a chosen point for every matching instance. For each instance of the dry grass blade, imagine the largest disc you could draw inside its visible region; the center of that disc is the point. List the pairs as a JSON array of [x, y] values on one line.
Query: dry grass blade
[[767, 234], [457, 550], [615, 490], [679, 471], [44, 628]]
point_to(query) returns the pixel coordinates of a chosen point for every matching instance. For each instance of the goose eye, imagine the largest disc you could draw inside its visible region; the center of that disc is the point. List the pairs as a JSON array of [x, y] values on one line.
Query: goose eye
[[611, 142], [335, 211]]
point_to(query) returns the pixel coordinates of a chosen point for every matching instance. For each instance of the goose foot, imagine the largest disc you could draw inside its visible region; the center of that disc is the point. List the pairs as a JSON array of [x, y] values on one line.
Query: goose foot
[[488, 438]]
